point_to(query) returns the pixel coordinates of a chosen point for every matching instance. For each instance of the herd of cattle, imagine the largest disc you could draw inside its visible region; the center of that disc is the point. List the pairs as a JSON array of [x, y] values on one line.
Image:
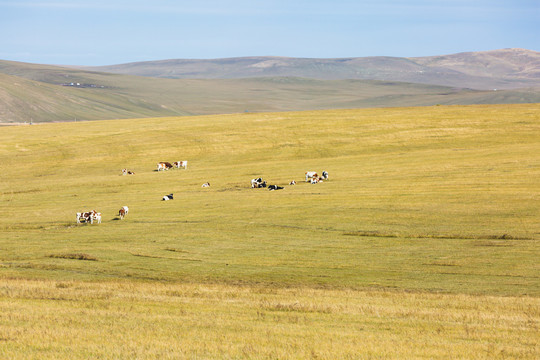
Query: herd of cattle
[[91, 216], [164, 165]]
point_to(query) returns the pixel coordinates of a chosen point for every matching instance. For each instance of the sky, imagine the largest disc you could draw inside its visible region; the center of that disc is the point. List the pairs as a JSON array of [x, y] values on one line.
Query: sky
[[106, 32]]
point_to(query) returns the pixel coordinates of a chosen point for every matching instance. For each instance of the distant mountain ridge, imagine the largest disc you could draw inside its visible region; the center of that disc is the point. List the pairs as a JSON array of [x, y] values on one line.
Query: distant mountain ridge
[[41, 93], [496, 69]]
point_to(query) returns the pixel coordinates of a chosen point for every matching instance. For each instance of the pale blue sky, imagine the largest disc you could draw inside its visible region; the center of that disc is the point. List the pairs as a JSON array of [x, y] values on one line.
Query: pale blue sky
[[105, 32]]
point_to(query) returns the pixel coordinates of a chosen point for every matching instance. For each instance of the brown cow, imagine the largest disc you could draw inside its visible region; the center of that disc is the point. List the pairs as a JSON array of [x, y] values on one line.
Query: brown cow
[[164, 165], [123, 212]]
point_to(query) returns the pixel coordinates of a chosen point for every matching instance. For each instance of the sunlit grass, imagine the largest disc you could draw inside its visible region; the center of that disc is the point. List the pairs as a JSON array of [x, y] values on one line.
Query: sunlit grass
[[169, 321], [423, 243]]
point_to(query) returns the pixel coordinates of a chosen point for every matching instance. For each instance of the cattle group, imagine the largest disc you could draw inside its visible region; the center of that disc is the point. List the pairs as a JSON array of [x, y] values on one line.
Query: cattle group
[[311, 176], [164, 165], [314, 178], [91, 216]]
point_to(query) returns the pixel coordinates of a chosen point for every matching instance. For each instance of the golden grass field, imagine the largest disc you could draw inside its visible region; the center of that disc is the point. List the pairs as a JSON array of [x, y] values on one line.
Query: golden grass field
[[422, 244]]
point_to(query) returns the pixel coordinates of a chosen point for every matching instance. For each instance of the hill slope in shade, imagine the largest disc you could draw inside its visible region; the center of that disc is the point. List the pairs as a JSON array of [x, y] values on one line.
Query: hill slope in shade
[[32, 92], [497, 69]]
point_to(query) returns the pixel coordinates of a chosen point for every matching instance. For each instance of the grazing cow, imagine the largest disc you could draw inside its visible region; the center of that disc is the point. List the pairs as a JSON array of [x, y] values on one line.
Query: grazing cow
[[88, 216], [292, 183], [311, 174], [325, 175], [127, 172], [164, 165], [180, 164], [274, 187], [206, 184], [167, 197], [123, 212]]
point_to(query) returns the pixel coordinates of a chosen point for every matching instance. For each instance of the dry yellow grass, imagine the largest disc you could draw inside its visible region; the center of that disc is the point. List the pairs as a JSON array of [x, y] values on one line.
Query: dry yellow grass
[[125, 320]]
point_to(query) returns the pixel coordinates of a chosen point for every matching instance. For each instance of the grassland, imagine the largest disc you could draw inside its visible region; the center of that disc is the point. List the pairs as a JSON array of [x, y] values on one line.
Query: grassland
[[32, 92], [423, 243]]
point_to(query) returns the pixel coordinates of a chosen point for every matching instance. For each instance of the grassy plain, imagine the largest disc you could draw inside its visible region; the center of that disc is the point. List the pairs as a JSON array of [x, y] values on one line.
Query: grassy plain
[[423, 243]]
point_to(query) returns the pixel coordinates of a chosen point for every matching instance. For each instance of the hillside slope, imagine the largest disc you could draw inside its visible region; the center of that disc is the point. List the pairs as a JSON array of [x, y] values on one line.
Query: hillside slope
[[38, 93], [498, 69]]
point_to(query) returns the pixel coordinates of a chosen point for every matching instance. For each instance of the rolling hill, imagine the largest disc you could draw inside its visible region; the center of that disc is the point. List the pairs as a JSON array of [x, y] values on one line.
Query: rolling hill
[[43, 93], [497, 69]]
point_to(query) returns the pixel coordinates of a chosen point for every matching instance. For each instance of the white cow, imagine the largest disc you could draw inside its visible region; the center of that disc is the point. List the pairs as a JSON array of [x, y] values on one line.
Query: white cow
[[180, 164], [96, 216], [311, 174]]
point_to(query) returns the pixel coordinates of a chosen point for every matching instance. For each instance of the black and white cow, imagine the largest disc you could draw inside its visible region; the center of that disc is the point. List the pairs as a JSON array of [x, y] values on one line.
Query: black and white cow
[[274, 187], [167, 197], [258, 183]]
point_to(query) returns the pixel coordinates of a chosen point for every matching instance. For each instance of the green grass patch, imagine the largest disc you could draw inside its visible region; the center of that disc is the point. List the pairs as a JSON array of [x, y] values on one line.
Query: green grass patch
[[436, 199]]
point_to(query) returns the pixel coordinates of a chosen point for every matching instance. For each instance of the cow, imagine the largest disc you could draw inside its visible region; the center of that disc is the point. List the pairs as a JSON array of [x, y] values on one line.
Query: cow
[[315, 180], [167, 197], [84, 217], [206, 184], [311, 174], [164, 166], [96, 216], [127, 172], [180, 164], [123, 212], [325, 175], [292, 183], [256, 182], [274, 187], [89, 216]]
